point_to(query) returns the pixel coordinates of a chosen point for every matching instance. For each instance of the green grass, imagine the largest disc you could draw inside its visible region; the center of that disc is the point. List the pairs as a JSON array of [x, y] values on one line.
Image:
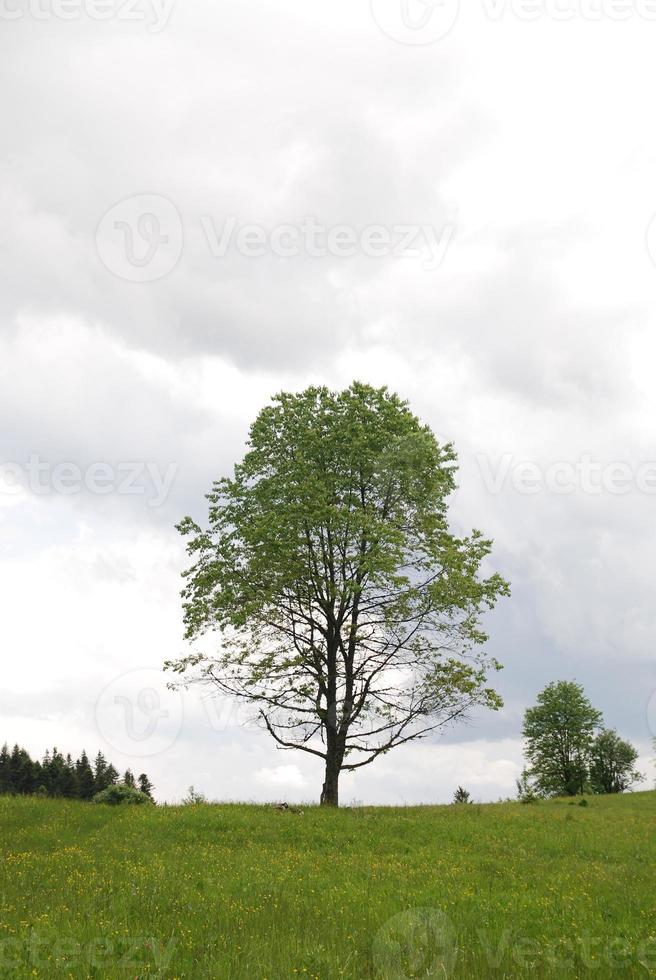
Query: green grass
[[250, 892]]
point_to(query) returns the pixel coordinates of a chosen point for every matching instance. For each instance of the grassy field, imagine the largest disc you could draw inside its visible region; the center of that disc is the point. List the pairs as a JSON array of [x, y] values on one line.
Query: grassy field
[[249, 892]]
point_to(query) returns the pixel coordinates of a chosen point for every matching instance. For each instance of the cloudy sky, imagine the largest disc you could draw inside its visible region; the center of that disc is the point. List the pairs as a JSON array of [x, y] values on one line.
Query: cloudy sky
[[206, 202]]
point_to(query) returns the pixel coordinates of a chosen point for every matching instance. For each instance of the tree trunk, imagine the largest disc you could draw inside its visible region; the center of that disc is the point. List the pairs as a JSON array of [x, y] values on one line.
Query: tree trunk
[[330, 791], [334, 751]]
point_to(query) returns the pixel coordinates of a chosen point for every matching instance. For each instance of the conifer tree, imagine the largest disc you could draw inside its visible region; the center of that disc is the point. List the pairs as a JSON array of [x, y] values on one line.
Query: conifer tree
[[85, 778], [5, 770], [145, 785], [101, 780], [111, 775]]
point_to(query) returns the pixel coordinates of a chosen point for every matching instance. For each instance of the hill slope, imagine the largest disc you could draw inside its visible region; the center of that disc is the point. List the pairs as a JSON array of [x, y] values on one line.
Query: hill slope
[[250, 892]]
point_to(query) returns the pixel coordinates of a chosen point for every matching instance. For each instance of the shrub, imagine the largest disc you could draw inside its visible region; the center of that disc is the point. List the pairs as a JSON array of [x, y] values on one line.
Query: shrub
[[462, 796], [120, 793]]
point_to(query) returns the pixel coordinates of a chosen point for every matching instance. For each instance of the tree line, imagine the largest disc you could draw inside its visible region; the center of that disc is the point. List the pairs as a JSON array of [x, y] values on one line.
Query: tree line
[[59, 775]]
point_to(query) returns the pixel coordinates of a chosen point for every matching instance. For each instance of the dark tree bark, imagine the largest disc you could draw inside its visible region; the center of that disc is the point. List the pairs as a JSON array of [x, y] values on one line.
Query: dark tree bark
[[330, 790]]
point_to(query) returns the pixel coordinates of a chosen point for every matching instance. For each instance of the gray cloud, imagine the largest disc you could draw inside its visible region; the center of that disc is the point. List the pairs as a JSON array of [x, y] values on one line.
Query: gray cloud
[[532, 341]]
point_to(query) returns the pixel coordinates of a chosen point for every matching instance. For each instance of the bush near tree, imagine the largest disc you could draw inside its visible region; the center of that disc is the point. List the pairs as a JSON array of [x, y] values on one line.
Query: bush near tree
[[120, 793]]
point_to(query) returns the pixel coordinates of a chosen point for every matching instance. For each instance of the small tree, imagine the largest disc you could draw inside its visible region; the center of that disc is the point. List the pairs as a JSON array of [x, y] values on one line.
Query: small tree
[[111, 775], [145, 785], [85, 778], [21, 771], [612, 764], [193, 797], [70, 786], [101, 774], [54, 769], [348, 612], [526, 790], [128, 779], [6, 785], [559, 731], [462, 796]]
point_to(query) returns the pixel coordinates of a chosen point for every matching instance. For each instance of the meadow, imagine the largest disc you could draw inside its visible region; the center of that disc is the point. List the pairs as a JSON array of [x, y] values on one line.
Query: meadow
[[239, 891]]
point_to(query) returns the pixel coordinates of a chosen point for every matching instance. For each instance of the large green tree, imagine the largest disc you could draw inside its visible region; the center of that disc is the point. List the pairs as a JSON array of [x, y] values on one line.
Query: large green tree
[[559, 732], [348, 613]]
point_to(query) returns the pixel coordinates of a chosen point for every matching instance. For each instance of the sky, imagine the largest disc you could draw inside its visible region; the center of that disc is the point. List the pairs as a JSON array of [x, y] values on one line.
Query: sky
[[205, 203]]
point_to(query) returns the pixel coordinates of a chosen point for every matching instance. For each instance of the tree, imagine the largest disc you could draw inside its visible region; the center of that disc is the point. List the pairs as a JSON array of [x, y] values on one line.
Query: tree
[[111, 775], [21, 771], [104, 774], [5, 770], [85, 778], [128, 779], [56, 778], [69, 786], [145, 785], [612, 763], [462, 796], [348, 613], [526, 790], [559, 731], [100, 776], [193, 797]]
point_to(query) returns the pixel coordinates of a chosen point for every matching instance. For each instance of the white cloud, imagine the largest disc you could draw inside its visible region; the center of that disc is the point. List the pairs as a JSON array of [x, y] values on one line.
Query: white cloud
[[283, 777]]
